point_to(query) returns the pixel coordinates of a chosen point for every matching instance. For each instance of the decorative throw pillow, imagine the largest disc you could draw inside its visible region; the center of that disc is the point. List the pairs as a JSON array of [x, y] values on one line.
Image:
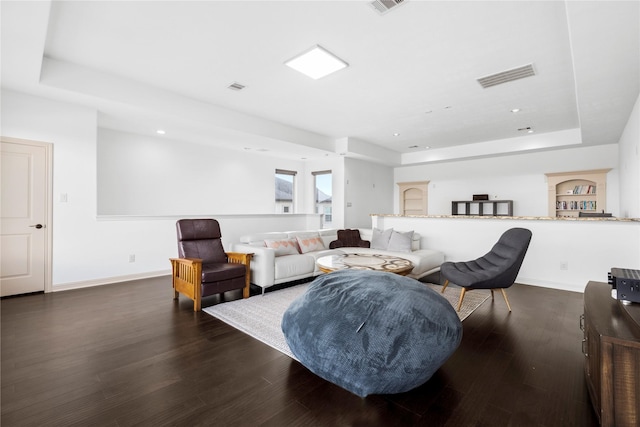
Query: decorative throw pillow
[[380, 238], [283, 247], [400, 241], [310, 244]]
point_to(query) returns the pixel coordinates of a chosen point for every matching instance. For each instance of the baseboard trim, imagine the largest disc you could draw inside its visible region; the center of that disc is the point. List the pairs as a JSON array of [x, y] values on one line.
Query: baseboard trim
[[151, 274], [109, 280], [552, 285]]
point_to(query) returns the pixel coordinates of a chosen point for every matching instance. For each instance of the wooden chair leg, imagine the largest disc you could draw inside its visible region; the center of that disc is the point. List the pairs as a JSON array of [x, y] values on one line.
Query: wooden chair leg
[[197, 304], [446, 283], [462, 292], [247, 285], [491, 293], [504, 294], [175, 294]]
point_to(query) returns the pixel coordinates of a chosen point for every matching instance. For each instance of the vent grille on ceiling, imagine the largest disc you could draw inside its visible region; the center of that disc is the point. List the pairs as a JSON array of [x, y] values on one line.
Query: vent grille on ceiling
[[383, 6], [507, 76], [236, 86]]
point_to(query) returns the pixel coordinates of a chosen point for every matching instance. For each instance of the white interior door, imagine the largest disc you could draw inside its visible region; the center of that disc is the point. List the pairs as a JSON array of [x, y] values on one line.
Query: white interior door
[[24, 236]]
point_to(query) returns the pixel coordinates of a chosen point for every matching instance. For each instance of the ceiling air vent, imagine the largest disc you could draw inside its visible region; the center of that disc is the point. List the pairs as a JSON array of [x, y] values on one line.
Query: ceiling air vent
[[236, 86], [507, 76], [383, 6]]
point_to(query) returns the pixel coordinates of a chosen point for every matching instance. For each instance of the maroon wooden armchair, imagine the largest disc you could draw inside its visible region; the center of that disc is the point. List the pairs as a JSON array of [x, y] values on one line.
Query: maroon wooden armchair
[[203, 267]]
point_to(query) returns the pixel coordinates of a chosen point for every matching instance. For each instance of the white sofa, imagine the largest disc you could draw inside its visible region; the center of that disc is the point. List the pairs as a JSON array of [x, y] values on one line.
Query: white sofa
[[267, 269]]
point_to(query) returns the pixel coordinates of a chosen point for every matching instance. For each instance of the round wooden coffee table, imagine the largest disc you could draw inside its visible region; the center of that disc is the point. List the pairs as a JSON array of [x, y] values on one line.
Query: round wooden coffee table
[[376, 262]]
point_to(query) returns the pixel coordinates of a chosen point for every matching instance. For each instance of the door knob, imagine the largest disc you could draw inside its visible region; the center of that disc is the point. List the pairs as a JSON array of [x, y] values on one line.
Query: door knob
[[38, 226]]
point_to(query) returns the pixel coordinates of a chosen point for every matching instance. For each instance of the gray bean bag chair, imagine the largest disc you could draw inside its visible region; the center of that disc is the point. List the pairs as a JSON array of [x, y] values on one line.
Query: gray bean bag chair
[[371, 332]]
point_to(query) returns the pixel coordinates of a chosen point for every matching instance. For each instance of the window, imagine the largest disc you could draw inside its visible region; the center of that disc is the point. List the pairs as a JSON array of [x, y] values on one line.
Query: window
[[285, 190], [322, 196]]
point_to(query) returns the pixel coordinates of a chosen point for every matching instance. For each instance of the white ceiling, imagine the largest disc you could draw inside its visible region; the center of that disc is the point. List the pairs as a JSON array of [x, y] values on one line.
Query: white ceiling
[[167, 64]]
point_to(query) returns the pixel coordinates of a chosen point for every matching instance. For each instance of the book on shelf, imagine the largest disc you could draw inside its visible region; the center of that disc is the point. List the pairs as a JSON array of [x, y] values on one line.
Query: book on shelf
[[584, 189], [583, 205]]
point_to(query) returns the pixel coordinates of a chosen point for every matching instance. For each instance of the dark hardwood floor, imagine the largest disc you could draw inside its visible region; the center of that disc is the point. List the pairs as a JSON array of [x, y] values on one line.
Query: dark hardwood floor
[[127, 354]]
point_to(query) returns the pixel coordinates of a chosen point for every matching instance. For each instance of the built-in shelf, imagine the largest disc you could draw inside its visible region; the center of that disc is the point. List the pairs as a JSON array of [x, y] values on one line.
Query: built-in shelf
[[580, 191], [480, 208]]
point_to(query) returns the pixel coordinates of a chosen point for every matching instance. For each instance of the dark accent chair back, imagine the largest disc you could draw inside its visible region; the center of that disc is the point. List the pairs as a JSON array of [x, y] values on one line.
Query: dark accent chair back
[[503, 260], [349, 238]]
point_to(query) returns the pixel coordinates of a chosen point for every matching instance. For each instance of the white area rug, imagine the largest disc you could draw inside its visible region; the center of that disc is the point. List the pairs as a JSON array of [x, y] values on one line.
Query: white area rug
[[260, 316]]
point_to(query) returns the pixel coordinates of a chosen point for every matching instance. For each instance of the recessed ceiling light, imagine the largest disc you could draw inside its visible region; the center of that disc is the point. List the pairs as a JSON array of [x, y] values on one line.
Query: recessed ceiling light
[[160, 132], [316, 63], [396, 134], [515, 110], [413, 146], [528, 129], [448, 107], [427, 147]]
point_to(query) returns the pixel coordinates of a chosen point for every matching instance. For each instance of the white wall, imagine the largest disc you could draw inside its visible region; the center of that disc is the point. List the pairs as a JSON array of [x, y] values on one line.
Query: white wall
[[368, 189], [630, 165], [140, 175], [589, 249], [520, 178], [89, 250]]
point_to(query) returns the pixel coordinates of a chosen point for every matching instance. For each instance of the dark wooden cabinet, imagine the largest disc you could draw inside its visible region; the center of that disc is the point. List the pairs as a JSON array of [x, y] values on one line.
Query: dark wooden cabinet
[[611, 347], [483, 207]]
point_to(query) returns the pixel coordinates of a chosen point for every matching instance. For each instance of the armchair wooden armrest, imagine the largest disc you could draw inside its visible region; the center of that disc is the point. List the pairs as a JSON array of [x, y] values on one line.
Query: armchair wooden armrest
[[186, 276], [242, 258]]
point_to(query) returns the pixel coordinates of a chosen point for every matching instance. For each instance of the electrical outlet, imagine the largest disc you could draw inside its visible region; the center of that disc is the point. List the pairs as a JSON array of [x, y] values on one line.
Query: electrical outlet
[[564, 265], [132, 258]]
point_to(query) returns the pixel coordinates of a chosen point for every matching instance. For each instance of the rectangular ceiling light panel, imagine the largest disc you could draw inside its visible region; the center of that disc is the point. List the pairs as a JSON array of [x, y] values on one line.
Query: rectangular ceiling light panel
[[507, 76], [383, 6], [316, 63]]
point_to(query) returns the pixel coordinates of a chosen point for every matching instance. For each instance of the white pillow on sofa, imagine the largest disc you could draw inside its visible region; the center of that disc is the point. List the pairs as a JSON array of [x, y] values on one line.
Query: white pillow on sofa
[[283, 247], [380, 238], [310, 244], [400, 241]]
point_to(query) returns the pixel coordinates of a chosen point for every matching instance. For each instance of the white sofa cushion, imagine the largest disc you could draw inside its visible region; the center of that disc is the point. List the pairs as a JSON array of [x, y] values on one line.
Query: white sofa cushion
[[367, 234], [400, 241], [258, 239], [290, 267], [328, 236], [380, 238]]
